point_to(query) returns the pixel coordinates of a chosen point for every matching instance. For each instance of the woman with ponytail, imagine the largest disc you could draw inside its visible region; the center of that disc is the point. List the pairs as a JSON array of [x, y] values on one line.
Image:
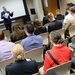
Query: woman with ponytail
[[21, 66], [60, 53]]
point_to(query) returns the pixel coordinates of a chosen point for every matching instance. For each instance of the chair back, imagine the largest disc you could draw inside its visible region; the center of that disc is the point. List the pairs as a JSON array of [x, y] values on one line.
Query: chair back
[[45, 38], [61, 31], [3, 64], [73, 40], [72, 30], [35, 54], [18, 42], [63, 69]]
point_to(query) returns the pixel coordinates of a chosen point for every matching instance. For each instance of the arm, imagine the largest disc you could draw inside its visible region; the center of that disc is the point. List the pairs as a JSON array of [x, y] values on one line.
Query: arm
[[47, 63], [2, 15], [68, 24], [11, 14]]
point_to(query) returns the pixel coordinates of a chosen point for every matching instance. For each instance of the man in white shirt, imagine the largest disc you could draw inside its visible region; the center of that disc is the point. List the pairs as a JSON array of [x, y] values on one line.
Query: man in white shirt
[[67, 17]]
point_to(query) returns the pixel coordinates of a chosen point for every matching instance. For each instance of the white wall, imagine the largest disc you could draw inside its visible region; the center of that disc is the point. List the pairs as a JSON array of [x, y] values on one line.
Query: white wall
[[63, 4], [37, 5], [29, 6]]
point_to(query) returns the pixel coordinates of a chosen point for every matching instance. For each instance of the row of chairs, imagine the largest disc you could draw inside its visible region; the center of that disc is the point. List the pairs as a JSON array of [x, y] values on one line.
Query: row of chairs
[[36, 54]]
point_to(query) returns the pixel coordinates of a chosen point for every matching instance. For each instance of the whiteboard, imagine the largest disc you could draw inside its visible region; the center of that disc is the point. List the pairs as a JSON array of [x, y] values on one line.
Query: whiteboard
[[15, 6]]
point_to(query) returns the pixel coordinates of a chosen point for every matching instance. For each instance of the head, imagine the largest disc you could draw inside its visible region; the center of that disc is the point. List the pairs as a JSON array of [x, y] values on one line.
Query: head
[[37, 24], [58, 12], [15, 27], [4, 8], [45, 13], [29, 29], [50, 17], [1, 35], [69, 5], [18, 52], [72, 10], [55, 38]]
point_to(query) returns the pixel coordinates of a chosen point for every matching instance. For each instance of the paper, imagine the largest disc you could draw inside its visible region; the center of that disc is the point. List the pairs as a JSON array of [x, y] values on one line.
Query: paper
[[6, 15]]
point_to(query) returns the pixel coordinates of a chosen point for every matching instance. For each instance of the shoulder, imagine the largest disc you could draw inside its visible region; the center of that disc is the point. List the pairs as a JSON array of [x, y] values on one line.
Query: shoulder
[[9, 67]]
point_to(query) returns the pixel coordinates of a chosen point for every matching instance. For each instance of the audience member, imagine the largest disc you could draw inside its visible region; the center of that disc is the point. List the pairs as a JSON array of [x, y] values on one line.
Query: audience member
[[68, 16], [21, 66], [59, 16], [68, 5], [55, 25], [60, 53], [71, 21], [5, 47], [17, 33], [45, 19], [38, 27], [31, 41]]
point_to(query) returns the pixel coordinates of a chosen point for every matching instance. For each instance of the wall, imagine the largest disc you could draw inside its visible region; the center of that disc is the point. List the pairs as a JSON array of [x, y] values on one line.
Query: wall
[[63, 4], [52, 6], [38, 9], [30, 5]]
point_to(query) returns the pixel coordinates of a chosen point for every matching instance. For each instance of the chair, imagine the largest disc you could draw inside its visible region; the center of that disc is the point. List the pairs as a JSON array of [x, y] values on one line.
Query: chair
[[73, 40], [72, 30], [35, 54], [61, 31], [18, 42], [45, 38], [63, 69], [65, 42], [46, 25], [3, 64]]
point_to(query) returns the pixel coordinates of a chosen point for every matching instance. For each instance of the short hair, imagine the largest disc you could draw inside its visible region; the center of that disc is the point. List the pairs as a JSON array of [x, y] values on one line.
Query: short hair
[[37, 24], [1, 35], [58, 11], [30, 28], [18, 52], [56, 37], [50, 15], [70, 4], [72, 9]]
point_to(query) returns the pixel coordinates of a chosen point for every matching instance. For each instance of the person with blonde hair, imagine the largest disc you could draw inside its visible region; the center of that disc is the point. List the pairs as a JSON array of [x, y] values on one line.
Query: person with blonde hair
[[5, 47], [59, 15], [59, 52], [17, 33], [54, 25], [39, 28], [21, 66]]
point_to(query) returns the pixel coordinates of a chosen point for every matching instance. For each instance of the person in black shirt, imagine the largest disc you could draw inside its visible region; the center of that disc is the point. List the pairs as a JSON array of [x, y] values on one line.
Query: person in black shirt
[[21, 66], [39, 28], [54, 25]]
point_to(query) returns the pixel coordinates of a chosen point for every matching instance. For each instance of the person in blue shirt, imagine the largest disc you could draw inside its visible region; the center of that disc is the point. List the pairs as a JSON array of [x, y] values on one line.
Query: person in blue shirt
[[5, 15], [31, 41]]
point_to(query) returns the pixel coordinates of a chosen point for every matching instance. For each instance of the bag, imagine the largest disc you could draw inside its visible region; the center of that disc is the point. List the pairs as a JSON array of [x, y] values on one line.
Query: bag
[[52, 57]]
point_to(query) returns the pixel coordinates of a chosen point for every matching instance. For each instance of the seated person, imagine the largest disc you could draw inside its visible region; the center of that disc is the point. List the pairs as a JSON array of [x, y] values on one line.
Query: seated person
[[59, 52], [5, 47], [54, 25], [45, 19], [21, 66], [70, 22], [59, 16], [31, 41], [17, 33], [38, 27]]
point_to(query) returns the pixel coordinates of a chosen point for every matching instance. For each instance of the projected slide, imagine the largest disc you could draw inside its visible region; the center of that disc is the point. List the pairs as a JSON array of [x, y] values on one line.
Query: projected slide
[[15, 6]]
